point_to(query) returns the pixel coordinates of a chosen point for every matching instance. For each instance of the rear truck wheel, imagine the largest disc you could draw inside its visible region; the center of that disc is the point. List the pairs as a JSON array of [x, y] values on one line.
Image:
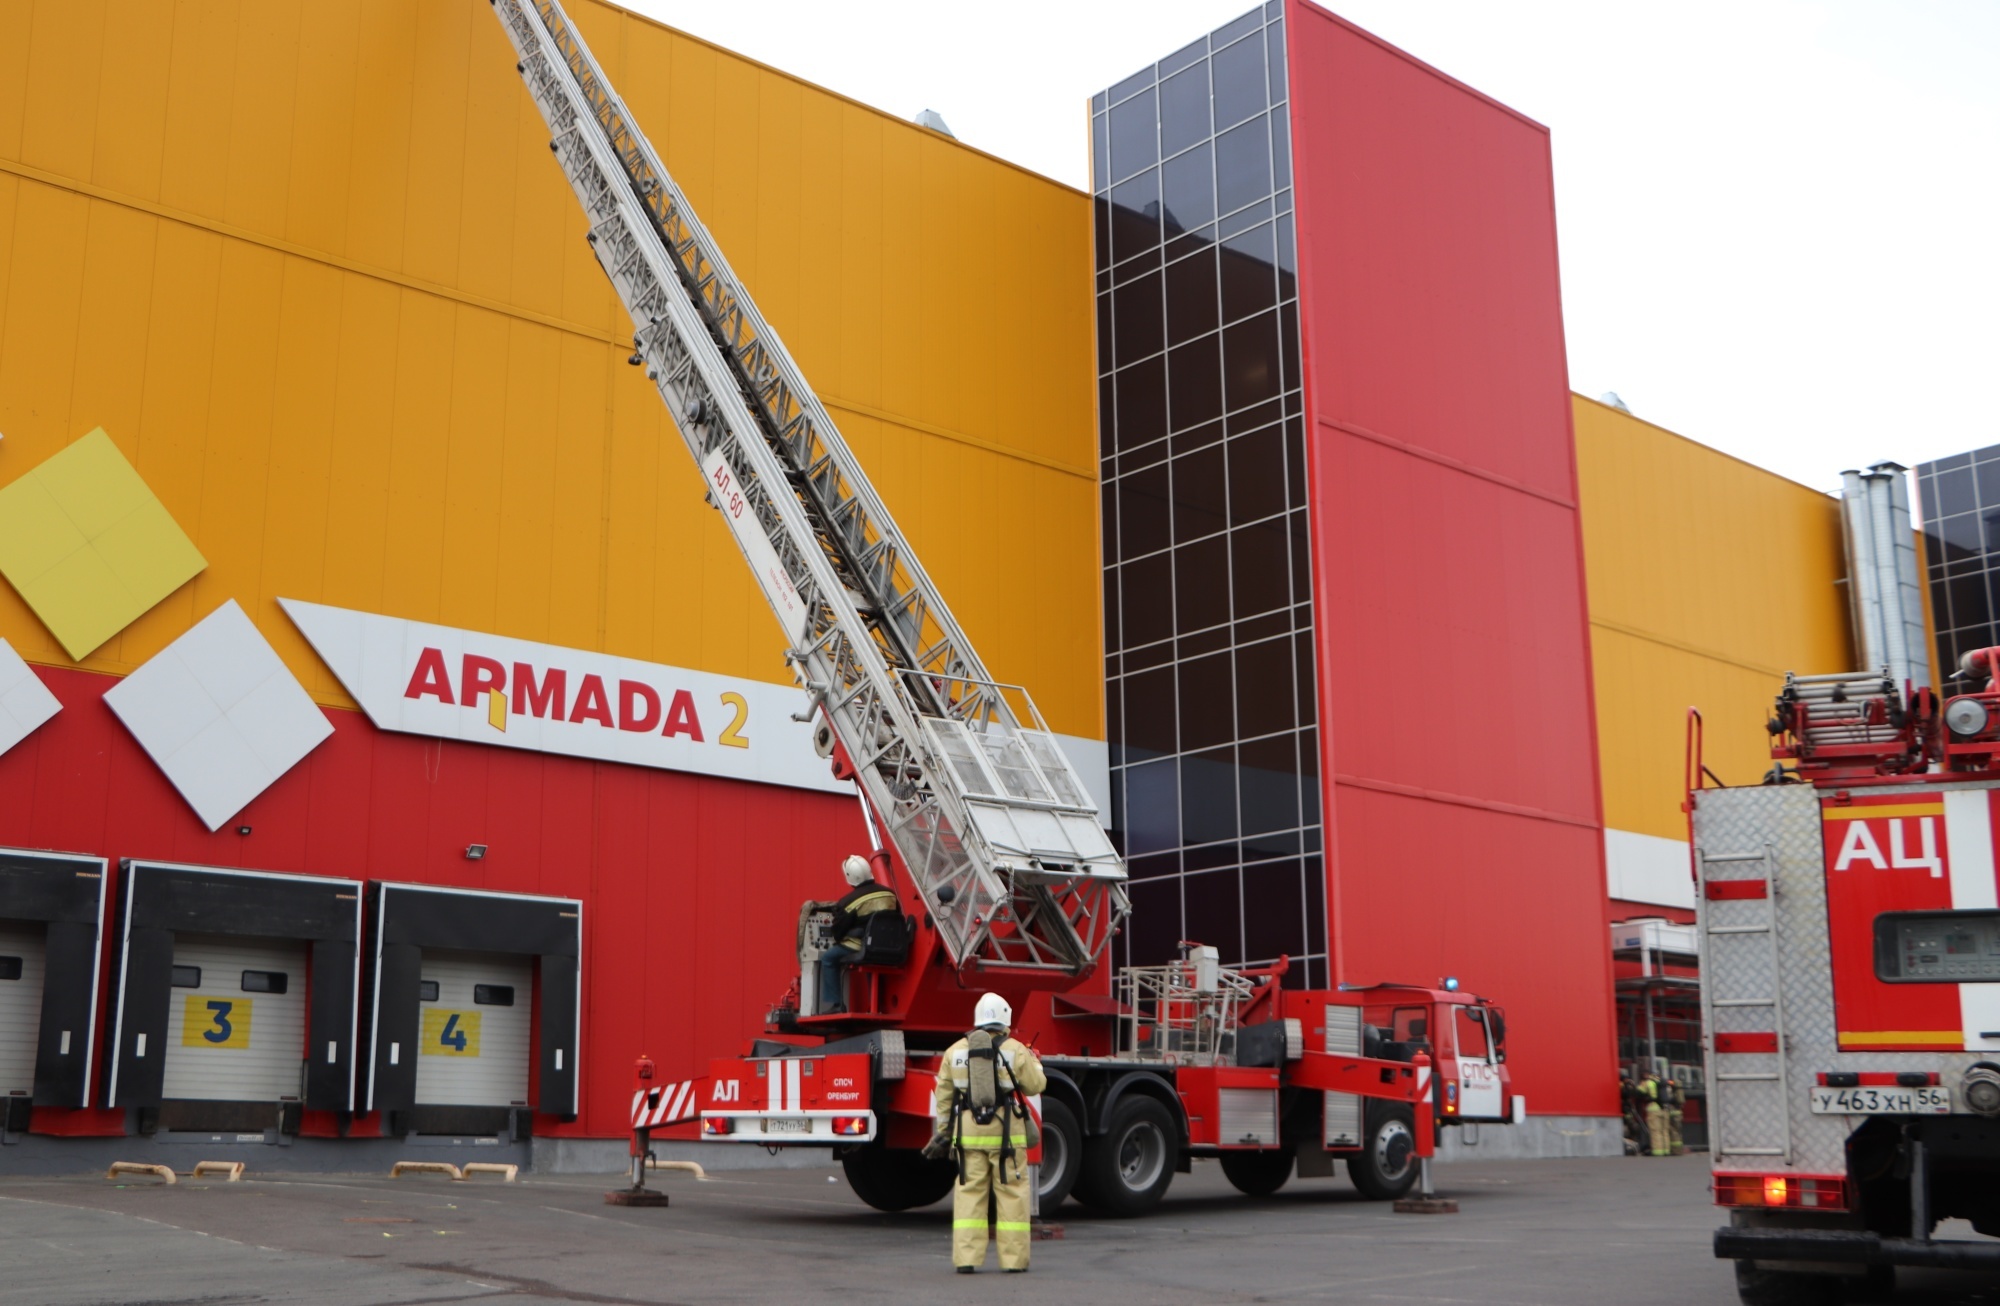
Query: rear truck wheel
[[897, 1180], [1386, 1166], [1257, 1174], [1761, 1287], [1126, 1171], [1062, 1153]]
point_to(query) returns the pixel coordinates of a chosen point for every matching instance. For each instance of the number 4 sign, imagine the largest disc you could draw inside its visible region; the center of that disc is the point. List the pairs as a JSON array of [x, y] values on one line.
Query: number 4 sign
[[450, 1033]]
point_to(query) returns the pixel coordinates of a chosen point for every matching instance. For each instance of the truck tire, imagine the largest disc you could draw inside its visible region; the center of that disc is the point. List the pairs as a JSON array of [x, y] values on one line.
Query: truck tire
[[1760, 1287], [891, 1179], [1257, 1174], [1386, 1166], [1062, 1153], [1126, 1171]]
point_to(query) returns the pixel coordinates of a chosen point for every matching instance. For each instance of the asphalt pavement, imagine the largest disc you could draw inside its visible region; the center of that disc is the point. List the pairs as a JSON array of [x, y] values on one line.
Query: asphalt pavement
[[1634, 1232]]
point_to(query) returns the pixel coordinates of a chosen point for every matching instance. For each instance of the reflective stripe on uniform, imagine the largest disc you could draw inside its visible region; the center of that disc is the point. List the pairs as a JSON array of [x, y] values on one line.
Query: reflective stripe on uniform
[[991, 1143], [969, 1224], [1011, 1224]]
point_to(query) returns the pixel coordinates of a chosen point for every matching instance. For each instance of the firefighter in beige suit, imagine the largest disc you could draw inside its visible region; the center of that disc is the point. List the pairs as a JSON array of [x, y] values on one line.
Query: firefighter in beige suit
[[981, 1113]]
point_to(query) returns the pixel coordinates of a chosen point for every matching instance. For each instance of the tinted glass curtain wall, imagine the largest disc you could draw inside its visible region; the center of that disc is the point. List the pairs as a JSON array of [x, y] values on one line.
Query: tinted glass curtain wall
[[1960, 496], [1209, 615]]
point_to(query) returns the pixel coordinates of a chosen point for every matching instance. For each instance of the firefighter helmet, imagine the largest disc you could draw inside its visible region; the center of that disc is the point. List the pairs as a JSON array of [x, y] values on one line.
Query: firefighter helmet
[[993, 1011], [856, 870]]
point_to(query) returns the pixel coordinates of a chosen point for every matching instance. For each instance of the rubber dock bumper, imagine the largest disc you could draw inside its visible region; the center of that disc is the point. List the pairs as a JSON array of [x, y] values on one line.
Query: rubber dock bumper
[[1852, 1247]]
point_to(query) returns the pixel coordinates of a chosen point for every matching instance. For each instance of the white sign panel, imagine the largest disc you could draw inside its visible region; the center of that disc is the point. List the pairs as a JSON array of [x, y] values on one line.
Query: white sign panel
[[420, 679], [764, 564]]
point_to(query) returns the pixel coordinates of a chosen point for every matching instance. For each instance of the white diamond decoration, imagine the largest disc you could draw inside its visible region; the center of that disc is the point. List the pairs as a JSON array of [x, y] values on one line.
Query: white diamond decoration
[[220, 714], [25, 702]]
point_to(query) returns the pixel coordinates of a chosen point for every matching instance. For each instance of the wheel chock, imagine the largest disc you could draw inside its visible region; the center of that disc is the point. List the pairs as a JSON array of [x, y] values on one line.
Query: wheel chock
[[232, 1171], [140, 1167], [1043, 1231], [1426, 1206], [691, 1167], [506, 1170], [401, 1168]]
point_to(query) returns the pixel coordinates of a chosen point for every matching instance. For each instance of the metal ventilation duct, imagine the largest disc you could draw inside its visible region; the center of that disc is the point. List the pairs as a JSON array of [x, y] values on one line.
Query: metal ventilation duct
[[1882, 574]]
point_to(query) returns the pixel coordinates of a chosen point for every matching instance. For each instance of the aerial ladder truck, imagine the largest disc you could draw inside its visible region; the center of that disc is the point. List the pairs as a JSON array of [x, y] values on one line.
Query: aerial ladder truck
[[978, 821]]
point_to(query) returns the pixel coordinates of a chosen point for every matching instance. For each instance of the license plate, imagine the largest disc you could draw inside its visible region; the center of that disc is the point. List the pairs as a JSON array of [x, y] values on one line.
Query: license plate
[[1888, 1101], [787, 1125]]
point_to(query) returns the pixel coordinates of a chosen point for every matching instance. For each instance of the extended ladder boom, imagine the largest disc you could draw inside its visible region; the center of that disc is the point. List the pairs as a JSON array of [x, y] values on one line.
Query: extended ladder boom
[[996, 829]]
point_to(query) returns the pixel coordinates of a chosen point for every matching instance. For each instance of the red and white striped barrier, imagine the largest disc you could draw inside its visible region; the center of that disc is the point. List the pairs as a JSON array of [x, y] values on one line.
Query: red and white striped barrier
[[664, 1104]]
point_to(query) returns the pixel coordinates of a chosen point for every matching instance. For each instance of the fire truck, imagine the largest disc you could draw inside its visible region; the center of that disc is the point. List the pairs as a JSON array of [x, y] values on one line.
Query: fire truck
[[1006, 879], [1850, 934]]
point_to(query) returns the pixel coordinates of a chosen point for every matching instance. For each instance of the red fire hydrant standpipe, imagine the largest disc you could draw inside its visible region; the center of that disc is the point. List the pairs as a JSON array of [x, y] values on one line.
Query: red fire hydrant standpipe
[[642, 1150], [1426, 1201]]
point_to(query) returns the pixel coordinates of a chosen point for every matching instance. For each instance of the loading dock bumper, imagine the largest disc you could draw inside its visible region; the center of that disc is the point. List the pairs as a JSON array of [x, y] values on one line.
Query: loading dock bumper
[[1853, 1247]]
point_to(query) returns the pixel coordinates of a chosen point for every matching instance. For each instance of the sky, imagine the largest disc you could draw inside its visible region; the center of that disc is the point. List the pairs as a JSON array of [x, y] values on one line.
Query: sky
[[1779, 219]]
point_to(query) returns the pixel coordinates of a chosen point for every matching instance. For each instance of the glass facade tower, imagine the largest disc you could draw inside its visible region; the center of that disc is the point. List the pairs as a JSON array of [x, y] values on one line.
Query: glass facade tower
[[1208, 597], [1961, 508]]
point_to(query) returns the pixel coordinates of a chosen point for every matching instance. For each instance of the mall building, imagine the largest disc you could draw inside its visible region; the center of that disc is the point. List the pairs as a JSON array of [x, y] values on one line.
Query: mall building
[[393, 746]]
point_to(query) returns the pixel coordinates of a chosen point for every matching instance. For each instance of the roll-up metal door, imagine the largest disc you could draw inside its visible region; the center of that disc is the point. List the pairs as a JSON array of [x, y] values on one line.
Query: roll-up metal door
[[23, 963], [472, 1040], [236, 1020], [1343, 1110]]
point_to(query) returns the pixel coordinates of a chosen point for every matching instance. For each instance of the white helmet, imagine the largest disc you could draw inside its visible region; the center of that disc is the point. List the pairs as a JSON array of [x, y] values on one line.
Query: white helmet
[[993, 1010], [857, 871]]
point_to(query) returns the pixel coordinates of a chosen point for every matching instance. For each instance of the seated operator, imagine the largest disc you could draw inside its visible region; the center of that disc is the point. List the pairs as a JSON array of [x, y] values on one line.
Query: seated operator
[[850, 914]]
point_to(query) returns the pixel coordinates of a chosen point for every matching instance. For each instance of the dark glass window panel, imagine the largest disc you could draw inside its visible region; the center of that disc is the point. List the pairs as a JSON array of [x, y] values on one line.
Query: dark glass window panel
[[1266, 626], [1281, 152], [1101, 210], [1308, 677], [1273, 911], [1288, 259], [1149, 713], [1250, 360], [1179, 247], [1152, 807], [1209, 857], [1955, 492], [1100, 152], [12, 968], [1142, 78], [186, 977], [265, 981], [1313, 878], [1154, 866], [1195, 437], [1107, 415], [1244, 219], [1104, 342], [1146, 656], [1968, 601], [1927, 495], [1288, 350], [1146, 600], [1257, 476], [1268, 783], [1188, 187], [1282, 201], [1234, 28], [1103, 273], [1114, 727], [1987, 477], [1206, 702], [1250, 419], [1274, 59], [1272, 843], [1142, 403], [1201, 583], [1181, 58], [493, 995], [1249, 273], [1139, 265], [1242, 166], [1191, 297], [1955, 460], [1264, 689], [1201, 494], [1135, 138], [1262, 572], [1214, 906], [1990, 521], [1962, 537], [1988, 454], [1212, 640], [1295, 463], [1184, 109], [1144, 523], [1310, 838], [1099, 102], [1194, 382], [1992, 599], [1139, 326], [1301, 557], [1153, 929], [1135, 215], [1107, 520], [1208, 796], [1239, 81], [427, 990]]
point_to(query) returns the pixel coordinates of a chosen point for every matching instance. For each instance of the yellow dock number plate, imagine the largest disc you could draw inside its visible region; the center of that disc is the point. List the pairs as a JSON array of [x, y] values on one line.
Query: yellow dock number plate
[[450, 1033], [208, 1022]]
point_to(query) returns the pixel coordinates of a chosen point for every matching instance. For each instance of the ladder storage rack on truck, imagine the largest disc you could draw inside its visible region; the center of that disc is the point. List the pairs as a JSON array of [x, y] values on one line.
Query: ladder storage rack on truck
[[1850, 935], [1005, 878]]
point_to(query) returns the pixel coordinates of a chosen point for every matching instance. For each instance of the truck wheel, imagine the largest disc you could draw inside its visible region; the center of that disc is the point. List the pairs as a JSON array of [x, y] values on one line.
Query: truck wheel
[[1760, 1287], [1386, 1166], [1126, 1172], [896, 1180], [1257, 1174], [1062, 1153]]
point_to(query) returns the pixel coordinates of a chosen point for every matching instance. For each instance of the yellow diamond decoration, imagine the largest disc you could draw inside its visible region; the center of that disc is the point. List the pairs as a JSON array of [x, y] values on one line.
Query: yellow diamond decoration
[[88, 546]]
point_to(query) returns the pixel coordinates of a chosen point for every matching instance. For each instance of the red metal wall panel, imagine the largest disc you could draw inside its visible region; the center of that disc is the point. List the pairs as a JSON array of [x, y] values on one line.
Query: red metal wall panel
[[690, 884], [1464, 827]]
